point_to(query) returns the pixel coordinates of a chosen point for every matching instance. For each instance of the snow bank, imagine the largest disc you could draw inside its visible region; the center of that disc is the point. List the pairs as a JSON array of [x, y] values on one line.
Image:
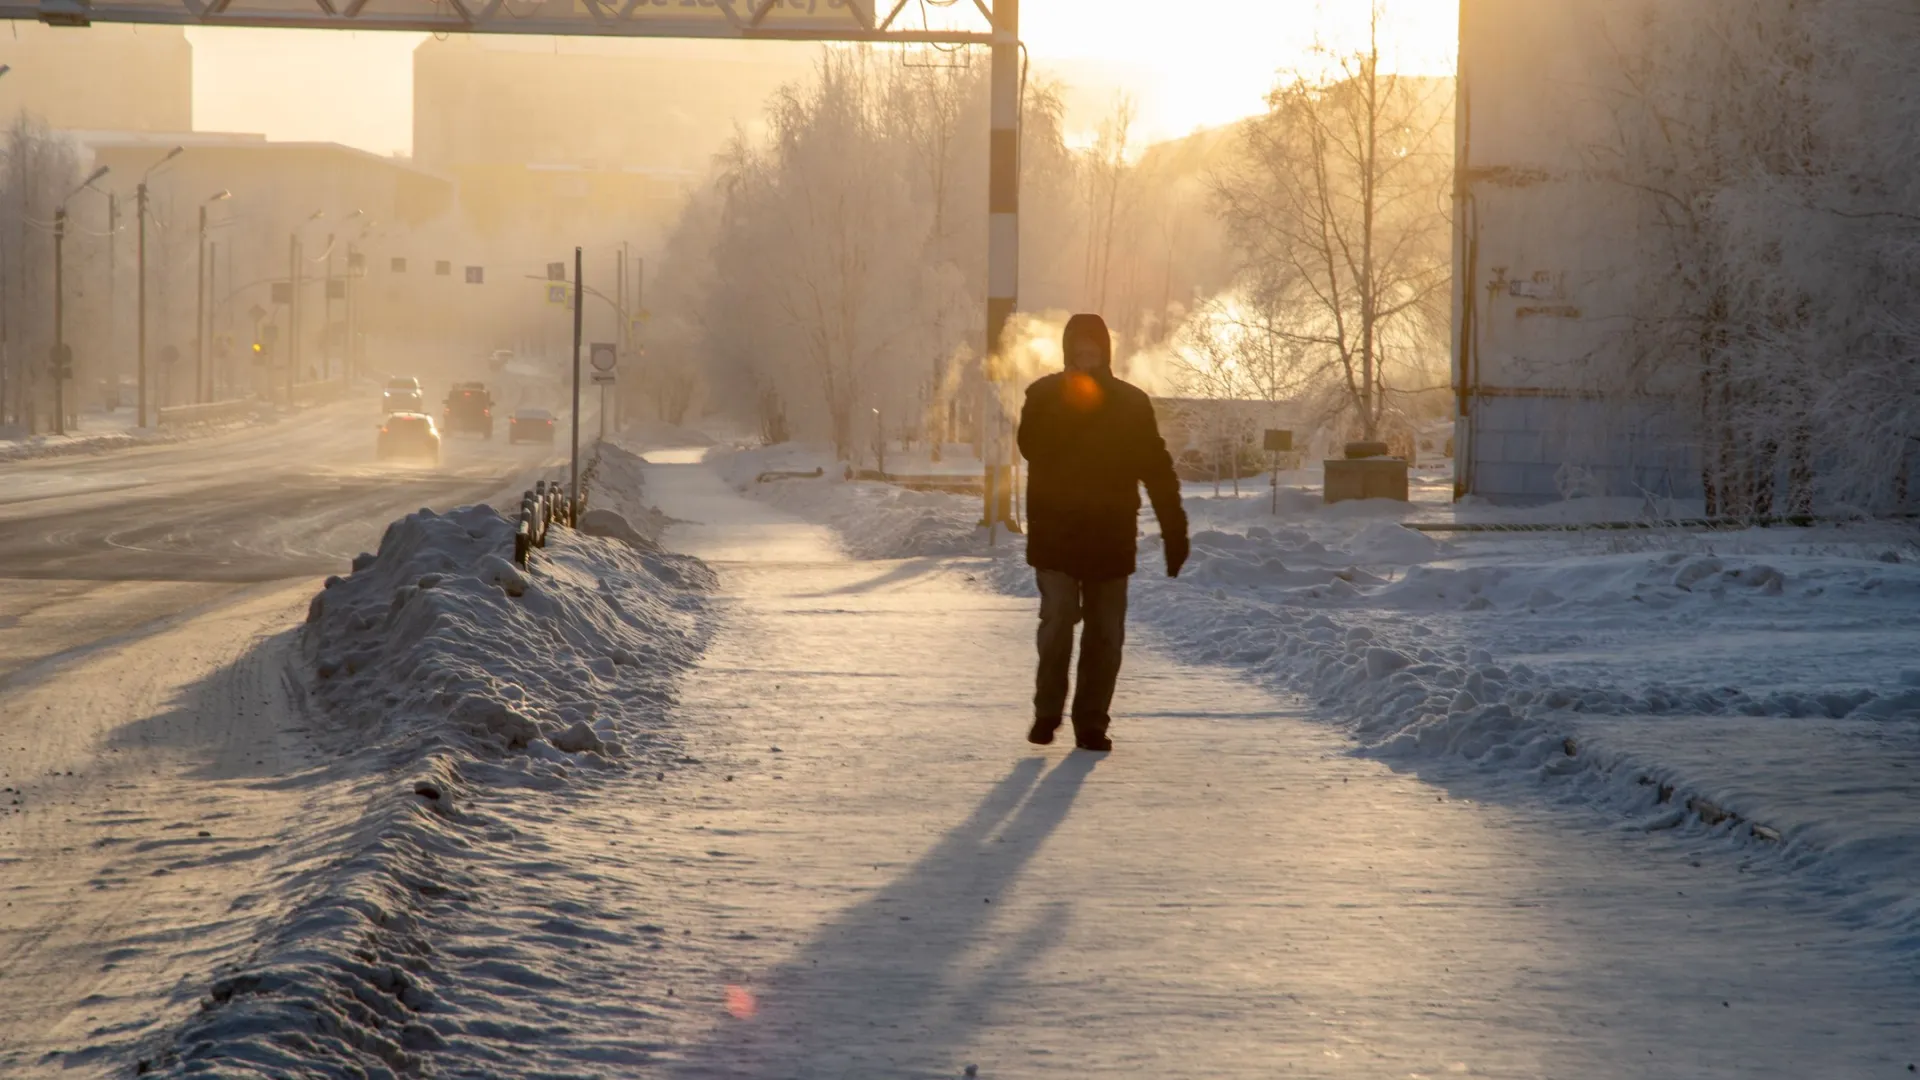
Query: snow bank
[[874, 520], [462, 688], [1604, 669]]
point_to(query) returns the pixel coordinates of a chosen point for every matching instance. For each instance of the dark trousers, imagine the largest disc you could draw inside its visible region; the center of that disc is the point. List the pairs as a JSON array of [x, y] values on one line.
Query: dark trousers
[[1102, 605]]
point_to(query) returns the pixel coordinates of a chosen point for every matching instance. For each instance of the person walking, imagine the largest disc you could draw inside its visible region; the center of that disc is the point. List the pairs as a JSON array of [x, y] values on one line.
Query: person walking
[[1090, 440]]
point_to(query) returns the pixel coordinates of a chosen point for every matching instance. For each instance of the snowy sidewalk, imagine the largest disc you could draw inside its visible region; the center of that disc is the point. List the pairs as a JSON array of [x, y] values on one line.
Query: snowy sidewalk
[[905, 887]]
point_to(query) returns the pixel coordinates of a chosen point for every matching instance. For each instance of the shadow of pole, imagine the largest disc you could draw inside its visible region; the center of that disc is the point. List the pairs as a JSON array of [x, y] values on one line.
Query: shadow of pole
[[896, 986]]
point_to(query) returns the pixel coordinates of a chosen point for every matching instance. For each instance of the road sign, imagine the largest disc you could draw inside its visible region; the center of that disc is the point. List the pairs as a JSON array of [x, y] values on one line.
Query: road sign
[[443, 268], [557, 294], [557, 271], [1279, 442], [603, 356], [601, 378], [256, 313], [476, 275]]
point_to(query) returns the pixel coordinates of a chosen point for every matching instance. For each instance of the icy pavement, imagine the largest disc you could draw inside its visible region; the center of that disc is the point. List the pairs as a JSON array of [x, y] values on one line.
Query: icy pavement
[[904, 887], [1758, 686]]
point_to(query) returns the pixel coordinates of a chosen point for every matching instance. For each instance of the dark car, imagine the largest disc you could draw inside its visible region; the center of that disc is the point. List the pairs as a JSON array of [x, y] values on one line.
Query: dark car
[[408, 435], [469, 408], [530, 425]]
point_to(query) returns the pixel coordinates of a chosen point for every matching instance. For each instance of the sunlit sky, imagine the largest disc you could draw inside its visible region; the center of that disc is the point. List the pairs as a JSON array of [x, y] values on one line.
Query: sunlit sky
[[1187, 63]]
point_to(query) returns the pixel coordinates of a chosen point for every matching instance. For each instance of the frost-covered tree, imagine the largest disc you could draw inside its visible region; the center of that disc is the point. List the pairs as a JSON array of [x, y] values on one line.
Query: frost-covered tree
[[40, 168], [1772, 145], [1338, 207]]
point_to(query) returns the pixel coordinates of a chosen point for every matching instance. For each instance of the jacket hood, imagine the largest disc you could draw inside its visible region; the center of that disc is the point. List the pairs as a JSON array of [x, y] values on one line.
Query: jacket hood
[[1092, 328]]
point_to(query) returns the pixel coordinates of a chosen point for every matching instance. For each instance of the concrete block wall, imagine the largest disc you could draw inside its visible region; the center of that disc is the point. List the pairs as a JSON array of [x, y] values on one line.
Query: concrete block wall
[[1520, 445]]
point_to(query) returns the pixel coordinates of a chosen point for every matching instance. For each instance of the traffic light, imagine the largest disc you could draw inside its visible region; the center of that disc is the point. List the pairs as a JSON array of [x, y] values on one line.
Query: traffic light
[[259, 352]]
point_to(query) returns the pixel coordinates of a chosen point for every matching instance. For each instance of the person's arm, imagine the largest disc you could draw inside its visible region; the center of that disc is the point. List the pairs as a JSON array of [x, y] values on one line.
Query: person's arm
[[1163, 490], [1039, 431]]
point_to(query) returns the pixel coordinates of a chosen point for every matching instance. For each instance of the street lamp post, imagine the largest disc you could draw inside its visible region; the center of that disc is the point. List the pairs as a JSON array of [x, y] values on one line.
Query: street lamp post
[[293, 302], [62, 360], [356, 269], [201, 388], [140, 199]]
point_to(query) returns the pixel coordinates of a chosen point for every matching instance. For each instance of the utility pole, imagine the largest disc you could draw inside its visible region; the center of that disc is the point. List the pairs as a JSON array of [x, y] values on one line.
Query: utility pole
[[140, 200], [113, 296], [199, 311], [293, 311], [140, 194], [213, 265], [579, 300], [1003, 251], [349, 358], [59, 322]]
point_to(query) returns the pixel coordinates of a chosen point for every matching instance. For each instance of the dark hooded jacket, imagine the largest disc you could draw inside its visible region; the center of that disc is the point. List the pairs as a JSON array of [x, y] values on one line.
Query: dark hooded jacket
[[1090, 441]]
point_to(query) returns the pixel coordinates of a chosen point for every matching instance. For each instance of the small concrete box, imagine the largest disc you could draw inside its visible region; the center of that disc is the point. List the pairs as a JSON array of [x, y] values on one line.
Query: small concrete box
[[1366, 478]]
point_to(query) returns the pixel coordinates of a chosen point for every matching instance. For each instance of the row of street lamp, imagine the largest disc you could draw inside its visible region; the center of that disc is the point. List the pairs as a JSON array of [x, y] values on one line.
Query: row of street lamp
[[62, 355], [62, 358]]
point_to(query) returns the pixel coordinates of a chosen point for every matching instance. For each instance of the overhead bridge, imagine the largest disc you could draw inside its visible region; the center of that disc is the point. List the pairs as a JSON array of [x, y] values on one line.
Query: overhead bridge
[[898, 21], [945, 23]]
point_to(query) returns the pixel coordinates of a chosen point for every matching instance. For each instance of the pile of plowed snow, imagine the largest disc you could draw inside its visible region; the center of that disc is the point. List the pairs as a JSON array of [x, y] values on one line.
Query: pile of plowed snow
[[442, 635], [469, 697]]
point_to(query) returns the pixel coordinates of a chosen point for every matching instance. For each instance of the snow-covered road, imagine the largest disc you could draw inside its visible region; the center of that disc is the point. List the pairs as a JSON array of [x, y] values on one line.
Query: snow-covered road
[[905, 887], [152, 756]]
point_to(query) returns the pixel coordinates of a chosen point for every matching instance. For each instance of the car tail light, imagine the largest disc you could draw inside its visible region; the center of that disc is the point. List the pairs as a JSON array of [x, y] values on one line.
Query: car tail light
[[383, 429], [486, 412]]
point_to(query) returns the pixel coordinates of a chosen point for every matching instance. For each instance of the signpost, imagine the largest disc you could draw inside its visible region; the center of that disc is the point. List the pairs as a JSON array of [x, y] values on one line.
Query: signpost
[[1277, 442], [605, 356]]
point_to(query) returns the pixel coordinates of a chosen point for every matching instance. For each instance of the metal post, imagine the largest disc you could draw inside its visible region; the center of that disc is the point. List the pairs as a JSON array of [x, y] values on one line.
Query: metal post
[[213, 279], [140, 199], [1003, 248], [348, 357], [113, 295], [326, 316], [293, 311], [200, 313], [579, 297], [59, 322]]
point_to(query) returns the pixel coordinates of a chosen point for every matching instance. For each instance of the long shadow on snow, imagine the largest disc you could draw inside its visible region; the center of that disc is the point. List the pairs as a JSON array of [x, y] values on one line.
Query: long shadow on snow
[[888, 973]]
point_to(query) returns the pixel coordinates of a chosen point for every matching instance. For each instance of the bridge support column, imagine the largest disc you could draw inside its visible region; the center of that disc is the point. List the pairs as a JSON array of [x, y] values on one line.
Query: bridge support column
[[1003, 260]]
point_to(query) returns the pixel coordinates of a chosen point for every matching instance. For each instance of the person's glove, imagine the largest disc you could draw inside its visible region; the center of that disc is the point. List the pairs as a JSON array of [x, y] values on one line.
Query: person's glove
[[1176, 552]]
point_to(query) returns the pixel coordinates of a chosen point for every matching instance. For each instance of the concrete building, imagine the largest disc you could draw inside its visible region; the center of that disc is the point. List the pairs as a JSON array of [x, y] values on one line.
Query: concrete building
[[1548, 254], [119, 77]]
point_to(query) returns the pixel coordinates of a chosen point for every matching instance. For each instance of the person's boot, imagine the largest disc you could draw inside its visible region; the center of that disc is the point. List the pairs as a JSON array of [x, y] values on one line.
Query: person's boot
[[1041, 733], [1091, 735]]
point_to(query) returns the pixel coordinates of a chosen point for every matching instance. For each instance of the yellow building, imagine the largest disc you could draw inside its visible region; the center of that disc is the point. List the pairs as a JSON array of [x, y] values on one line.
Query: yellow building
[[119, 77]]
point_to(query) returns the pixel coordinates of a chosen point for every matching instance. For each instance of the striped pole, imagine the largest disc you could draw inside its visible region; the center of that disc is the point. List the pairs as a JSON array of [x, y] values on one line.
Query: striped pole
[[1003, 256]]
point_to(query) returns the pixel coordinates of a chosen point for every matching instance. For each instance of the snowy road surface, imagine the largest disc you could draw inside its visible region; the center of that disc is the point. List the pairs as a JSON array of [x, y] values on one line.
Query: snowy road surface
[[151, 753], [905, 887]]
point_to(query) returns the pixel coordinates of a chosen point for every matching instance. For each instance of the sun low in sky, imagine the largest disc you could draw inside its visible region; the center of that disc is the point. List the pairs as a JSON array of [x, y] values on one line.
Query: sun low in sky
[[1187, 64]]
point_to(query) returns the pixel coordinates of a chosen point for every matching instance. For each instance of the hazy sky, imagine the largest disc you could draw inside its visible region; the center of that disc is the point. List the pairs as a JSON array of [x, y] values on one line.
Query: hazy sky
[[1188, 63]]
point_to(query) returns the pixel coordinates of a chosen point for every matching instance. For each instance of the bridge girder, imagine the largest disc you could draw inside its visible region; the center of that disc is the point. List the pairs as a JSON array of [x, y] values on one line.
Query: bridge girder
[[751, 20]]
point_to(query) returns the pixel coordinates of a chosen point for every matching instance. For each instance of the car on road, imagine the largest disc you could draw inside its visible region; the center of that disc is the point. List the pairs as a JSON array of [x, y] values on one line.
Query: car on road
[[468, 408], [402, 394], [408, 435], [530, 425]]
